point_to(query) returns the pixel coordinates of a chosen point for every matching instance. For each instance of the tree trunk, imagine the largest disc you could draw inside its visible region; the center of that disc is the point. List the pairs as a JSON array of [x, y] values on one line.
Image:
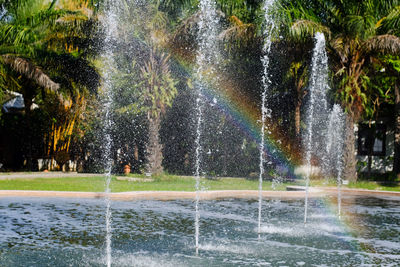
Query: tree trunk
[[154, 148], [349, 157], [297, 117], [297, 112], [396, 160], [136, 153]]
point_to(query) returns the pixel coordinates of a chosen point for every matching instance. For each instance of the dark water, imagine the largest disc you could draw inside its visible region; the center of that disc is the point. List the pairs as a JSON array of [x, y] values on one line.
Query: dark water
[[68, 232]]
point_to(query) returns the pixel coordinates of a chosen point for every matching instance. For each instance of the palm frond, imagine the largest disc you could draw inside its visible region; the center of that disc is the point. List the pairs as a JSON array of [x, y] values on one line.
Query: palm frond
[[335, 9], [189, 25], [25, 36], [175, 5], [361, 26], [392, 20], [159, 86], [386, 43], [303, 28], [341, 47], [239, 31], [30, 71], [16, 35], [185, 34]]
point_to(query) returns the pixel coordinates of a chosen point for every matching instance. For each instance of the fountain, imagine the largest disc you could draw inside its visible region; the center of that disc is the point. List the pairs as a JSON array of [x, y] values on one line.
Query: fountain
[[69, 232], [317, 108], [110, 23], [265, 111], [206, 55], [334, 147], [64, 231]]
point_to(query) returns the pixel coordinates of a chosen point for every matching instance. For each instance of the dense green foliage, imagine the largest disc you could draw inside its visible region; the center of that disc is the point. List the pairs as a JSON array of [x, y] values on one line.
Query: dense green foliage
[[44, 55], [360, 36], [358, 33]]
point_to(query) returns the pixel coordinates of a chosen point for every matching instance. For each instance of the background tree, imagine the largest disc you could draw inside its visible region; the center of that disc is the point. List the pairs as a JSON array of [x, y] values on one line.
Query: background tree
[[40, 42], [158, 91], [357, 32], [144, 86]]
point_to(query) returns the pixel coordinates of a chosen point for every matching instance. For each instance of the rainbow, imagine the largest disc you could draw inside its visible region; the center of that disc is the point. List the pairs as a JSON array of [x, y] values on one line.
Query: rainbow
[[350, 223], [248, 124], [244, 114]]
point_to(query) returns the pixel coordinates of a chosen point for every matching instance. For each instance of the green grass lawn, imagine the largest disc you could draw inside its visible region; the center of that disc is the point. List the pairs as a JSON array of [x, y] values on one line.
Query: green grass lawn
[[374, 186], [370, 185], [162, 183]]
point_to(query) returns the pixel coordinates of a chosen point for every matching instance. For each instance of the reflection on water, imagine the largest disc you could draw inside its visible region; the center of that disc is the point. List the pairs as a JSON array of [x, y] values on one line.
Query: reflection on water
[[67, 232]]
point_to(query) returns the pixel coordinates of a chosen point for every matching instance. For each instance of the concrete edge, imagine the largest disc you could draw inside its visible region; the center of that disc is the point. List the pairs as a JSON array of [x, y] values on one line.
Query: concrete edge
[[359, 192], [162, 195], [329, 190], [204, 195]]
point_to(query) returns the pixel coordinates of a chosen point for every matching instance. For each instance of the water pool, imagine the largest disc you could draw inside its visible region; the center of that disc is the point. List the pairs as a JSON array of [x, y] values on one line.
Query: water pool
[[71, 232]]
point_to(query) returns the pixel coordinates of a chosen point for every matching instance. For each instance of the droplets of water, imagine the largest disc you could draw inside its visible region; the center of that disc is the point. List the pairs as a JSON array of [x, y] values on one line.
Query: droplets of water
[[334, 147], [265, 110], [317, 108], [109, 23], [205, 58]]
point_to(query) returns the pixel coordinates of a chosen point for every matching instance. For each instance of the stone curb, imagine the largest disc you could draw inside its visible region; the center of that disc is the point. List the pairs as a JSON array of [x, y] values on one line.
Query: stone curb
[[204, 195], [162, 195]]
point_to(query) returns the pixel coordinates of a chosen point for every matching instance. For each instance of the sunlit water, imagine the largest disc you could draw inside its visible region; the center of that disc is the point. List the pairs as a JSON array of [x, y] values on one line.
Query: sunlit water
[[109, 23], [67, 232], [334, 148], [317, 112], [205, 58], [265, 110]]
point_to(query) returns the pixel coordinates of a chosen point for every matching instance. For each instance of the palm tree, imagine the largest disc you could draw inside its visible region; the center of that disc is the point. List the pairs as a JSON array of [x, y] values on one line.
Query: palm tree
[[357, 32], [43, 48], [22, 33], [145, 75], [158, 91], [298, 74]]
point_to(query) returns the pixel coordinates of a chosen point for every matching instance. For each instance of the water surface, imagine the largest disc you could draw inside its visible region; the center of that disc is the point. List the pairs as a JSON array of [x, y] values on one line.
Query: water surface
[[71, 232]]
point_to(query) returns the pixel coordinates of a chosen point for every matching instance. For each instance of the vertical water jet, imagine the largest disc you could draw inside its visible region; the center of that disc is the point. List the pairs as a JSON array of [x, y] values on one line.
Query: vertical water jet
[[334, 148], [265, 111], [205, 58], [317, 108], [109, 23]]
